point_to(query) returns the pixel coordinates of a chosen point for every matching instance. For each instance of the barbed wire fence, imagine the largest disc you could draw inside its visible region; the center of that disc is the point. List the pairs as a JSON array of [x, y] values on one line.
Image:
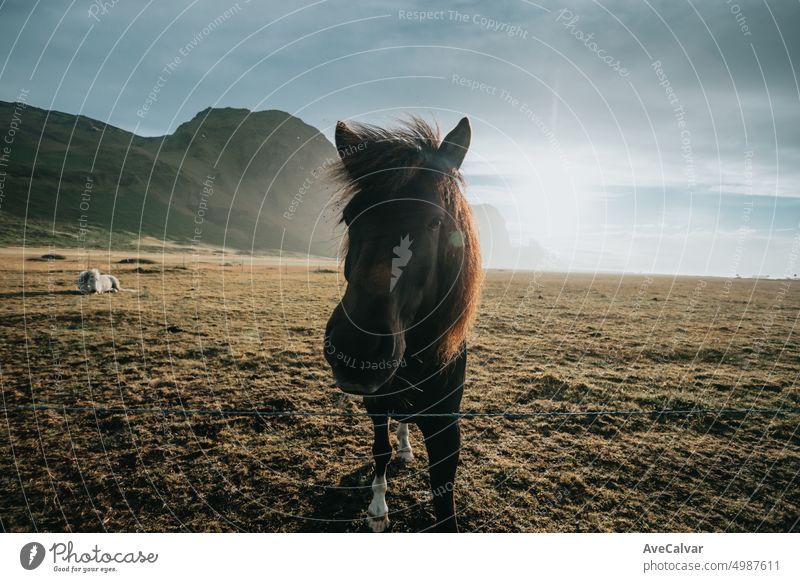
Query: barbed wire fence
[[522, 415]]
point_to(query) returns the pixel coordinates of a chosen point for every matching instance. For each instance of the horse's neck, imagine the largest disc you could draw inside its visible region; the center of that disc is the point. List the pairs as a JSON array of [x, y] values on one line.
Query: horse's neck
[[422, 365], [421, 358], [427, 386]]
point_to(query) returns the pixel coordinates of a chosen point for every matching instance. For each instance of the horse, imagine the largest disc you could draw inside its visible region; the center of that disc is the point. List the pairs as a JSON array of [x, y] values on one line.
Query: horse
[[91, 281], [397, 337]]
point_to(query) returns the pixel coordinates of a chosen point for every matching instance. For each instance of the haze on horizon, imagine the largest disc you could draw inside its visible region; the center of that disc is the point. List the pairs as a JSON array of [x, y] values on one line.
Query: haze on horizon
[[662, 137]]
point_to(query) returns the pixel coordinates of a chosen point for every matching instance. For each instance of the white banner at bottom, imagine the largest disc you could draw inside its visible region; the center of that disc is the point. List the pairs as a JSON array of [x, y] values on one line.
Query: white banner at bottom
[[334, 557]]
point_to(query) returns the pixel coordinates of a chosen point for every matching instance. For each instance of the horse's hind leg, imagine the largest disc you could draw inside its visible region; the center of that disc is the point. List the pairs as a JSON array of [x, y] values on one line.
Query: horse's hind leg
[[378, 511], [404, 451]]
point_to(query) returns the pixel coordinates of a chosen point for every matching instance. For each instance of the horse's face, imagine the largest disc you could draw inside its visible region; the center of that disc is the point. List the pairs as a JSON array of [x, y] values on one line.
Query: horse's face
[[392, 269]]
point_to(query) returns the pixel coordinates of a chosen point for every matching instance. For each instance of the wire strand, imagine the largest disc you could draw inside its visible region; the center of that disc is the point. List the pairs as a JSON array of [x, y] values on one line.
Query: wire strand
[[221, 412]]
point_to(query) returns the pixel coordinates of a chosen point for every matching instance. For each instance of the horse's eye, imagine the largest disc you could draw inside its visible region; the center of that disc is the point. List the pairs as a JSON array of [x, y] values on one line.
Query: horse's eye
[[435, 224]]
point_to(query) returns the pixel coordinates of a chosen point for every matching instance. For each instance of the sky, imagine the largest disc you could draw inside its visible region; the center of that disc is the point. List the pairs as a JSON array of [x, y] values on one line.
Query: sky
[[658, 137]]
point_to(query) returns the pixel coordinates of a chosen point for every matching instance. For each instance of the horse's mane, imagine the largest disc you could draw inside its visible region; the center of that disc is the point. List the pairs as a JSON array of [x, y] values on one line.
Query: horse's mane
[[406, 150]]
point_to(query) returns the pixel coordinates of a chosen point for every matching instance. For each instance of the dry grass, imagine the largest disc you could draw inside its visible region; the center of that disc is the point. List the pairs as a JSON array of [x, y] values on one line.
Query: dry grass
[[237, 337]]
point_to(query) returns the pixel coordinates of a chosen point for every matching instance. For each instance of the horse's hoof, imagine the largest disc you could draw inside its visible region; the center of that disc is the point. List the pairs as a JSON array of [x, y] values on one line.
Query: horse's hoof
[[405, 455], [378, 524]]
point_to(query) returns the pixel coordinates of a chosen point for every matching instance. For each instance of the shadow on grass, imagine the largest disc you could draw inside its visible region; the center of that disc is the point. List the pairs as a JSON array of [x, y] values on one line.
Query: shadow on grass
[[25, 294], [340, 508]]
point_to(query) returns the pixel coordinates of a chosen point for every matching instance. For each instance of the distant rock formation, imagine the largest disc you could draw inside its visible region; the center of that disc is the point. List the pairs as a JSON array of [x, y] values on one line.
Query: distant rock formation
[[496, 247]]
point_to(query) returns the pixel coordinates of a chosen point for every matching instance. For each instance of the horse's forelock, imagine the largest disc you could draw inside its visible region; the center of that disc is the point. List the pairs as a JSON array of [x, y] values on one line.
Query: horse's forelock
[[380, 161]]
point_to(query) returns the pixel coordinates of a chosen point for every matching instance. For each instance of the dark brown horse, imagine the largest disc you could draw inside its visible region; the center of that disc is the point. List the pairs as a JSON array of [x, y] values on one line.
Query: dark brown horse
[[413, 270]]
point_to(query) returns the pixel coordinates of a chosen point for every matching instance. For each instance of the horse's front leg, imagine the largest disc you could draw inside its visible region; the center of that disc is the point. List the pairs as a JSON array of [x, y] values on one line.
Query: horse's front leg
[[378, 511], [443, 442]]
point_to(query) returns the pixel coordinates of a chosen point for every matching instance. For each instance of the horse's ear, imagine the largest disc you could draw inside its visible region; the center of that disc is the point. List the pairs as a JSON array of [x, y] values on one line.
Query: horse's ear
[[455, 145], [347, 141], [345, 137]]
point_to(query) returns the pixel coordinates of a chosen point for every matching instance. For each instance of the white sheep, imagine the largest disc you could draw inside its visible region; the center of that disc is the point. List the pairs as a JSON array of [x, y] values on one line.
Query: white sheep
[[92, 281]]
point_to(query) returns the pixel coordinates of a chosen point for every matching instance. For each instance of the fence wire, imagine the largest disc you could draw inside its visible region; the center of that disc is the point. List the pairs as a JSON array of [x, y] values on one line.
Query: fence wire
[[222, 412]]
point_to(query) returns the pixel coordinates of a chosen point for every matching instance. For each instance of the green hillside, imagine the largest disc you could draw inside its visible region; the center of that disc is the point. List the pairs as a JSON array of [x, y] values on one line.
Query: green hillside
[[228, 176]]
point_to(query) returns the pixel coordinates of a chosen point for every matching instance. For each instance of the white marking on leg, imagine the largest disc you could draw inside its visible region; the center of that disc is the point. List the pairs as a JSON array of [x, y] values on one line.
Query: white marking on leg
[[404, 451], [378, 511]]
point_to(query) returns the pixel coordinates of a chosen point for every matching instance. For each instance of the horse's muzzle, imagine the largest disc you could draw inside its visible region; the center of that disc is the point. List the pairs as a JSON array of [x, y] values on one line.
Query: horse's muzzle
[[358, 388]]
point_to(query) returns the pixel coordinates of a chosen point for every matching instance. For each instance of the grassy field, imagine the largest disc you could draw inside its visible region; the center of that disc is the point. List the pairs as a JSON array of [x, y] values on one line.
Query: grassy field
[[222, 333]]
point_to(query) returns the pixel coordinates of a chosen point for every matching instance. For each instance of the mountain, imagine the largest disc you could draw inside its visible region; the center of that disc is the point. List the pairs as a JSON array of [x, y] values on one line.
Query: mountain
[[246, 180], [228, 176], [495, 240], [496, 248]]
